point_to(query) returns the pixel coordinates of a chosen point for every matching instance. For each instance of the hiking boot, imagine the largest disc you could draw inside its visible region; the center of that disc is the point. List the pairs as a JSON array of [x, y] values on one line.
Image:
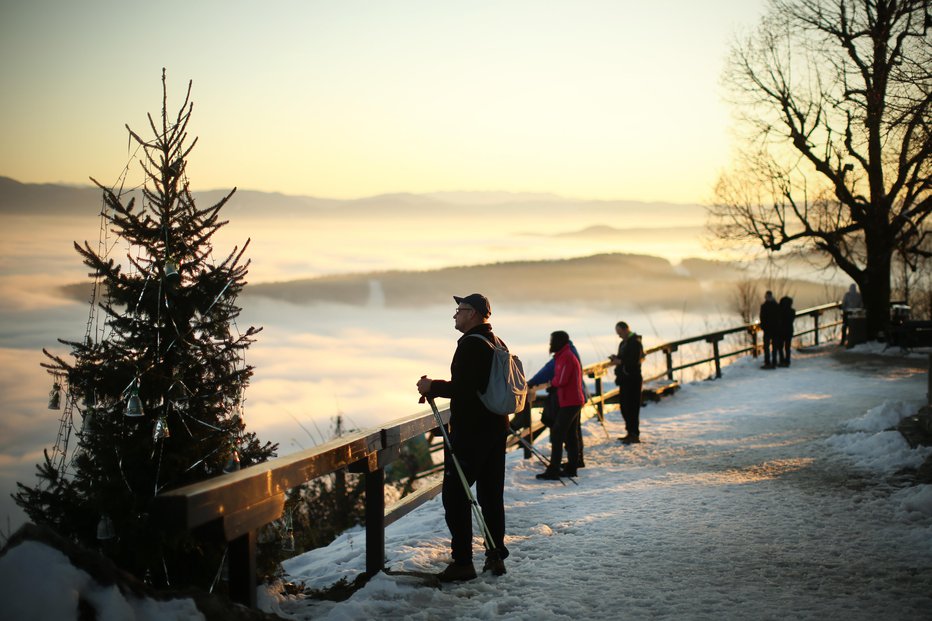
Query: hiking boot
[[629, 439], [549, 475], [768, 367], [495, 565], [457, 572], [566, 471]]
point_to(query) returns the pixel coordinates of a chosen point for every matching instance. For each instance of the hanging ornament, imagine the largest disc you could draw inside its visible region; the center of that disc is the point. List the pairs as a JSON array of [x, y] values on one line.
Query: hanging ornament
[[288, 541], [288, 534], [55, 396], [134, 403], [171, 271], [176, 167], [105, 528], [160, 429], [232, 464]]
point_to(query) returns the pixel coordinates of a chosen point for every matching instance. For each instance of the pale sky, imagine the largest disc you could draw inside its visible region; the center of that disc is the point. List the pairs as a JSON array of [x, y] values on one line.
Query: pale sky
[[601, 99]]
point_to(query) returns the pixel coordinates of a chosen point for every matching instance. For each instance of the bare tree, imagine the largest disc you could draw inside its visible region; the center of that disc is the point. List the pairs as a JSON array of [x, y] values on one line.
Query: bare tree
[[835, 97]]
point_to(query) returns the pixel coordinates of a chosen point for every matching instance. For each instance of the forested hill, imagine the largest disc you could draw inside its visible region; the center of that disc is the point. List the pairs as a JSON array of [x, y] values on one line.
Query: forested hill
[[606, 280]]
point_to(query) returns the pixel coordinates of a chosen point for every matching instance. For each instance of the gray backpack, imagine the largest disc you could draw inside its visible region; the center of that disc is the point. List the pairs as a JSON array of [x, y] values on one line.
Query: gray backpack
[[506, 392]]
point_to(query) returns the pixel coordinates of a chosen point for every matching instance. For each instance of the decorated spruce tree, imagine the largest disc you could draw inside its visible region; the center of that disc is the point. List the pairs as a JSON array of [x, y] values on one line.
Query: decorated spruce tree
[[160, 387]]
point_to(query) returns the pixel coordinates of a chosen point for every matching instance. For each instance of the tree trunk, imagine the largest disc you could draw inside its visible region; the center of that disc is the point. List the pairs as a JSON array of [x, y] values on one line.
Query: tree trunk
[[875, 289]]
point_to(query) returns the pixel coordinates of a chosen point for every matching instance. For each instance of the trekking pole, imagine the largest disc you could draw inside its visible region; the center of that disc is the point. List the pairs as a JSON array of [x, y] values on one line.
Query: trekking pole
[[537, 454], [476, 511]]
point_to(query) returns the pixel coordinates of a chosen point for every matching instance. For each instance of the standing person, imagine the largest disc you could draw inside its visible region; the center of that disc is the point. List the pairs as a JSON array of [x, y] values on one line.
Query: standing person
[[851, 301], [477, 436], [544, 376], [567, 379], [628, 378], [770, 324], [787, 318]]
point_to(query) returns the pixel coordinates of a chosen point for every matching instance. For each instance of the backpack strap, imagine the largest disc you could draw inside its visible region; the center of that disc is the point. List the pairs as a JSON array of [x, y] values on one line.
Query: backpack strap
[[497, 342]]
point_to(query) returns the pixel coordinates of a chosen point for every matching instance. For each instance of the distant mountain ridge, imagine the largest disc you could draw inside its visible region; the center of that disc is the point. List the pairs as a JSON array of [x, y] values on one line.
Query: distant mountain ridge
[[59, 199]]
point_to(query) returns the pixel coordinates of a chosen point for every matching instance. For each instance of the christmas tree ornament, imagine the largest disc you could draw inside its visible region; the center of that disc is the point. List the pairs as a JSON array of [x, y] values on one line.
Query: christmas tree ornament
[[55, 396], [232, 464], [288, 534], [134, 404], [160, 429], [105, 528], [171, 271], [288, 541]]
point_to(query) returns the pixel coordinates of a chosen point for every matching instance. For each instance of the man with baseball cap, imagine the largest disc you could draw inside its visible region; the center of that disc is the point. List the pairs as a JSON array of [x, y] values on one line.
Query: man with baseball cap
[[477, 436]]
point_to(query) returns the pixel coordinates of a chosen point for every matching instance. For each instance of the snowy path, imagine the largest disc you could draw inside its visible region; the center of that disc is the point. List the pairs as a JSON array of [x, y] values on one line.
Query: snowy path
[[737, 506]]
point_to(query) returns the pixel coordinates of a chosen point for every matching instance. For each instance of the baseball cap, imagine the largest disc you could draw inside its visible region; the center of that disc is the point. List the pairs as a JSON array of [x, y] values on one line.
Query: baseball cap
[[476, 301]]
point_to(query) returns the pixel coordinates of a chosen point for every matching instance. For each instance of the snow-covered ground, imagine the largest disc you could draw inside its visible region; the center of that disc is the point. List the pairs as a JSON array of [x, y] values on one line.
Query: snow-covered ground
[[764, 495]]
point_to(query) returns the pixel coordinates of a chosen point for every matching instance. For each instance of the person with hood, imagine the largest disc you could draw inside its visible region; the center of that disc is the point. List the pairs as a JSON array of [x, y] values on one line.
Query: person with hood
[[851, 301], [770, 325], [477, 436], [787, 318], [567, 379]]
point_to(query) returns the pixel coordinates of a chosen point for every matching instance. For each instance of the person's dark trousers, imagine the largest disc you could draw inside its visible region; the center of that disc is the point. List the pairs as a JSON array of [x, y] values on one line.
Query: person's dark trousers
[[787, 348], [630, 402], [581, 463], [564, 432], [485, 466], [779, 353], [770, 353]]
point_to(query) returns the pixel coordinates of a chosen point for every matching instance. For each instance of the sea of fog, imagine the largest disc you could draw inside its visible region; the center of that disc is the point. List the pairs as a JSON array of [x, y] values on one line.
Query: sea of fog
[[313, 362]]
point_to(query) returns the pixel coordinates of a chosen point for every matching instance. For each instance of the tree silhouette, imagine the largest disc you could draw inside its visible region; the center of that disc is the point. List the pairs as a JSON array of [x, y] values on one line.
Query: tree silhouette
[[835, 95]]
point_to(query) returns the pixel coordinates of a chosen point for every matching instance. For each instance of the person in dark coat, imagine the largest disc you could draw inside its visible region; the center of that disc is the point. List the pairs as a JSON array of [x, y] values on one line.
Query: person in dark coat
[[477, 436], [787, 318], [770, 325], [629, 380], [850, 302]]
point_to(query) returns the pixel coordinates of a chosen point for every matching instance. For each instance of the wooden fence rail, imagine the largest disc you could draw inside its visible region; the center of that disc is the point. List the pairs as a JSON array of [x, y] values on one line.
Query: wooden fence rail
[[234, 506]]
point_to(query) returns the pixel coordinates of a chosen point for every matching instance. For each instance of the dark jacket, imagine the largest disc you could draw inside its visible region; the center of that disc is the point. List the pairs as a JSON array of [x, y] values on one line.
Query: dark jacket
[[630, 352], [770, 316], [472, 425], [787, 316]]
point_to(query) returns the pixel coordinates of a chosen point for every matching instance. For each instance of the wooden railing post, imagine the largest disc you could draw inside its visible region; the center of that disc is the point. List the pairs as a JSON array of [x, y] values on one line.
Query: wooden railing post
[[375, 521], [668, 354], [754, 351], [815, 321], [242, 557], [718, 361]]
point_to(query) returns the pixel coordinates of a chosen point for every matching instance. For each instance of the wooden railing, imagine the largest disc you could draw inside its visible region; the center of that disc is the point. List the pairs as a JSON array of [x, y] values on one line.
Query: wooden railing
[[234, 506]]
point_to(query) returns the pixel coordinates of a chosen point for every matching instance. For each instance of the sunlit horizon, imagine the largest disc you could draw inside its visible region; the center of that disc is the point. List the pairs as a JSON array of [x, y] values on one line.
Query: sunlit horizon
[[591, 100]]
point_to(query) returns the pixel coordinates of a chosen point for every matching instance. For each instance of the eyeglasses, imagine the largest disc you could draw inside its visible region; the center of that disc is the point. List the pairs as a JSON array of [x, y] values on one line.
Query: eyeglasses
[[461, 309]]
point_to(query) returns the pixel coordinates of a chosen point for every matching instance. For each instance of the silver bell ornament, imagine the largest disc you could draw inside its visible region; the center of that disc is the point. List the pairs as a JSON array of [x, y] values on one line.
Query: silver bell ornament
[[171, 271], [160, 429], [232, 464], [55, 397], [105, 528], [134, 404]]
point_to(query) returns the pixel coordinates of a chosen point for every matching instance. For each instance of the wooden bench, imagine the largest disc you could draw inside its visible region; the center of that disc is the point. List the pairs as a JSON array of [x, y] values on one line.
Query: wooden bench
[[911, 334]]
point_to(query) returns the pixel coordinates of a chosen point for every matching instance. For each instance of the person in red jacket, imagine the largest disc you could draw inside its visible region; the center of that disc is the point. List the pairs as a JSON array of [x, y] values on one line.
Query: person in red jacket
[[567, 379]]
